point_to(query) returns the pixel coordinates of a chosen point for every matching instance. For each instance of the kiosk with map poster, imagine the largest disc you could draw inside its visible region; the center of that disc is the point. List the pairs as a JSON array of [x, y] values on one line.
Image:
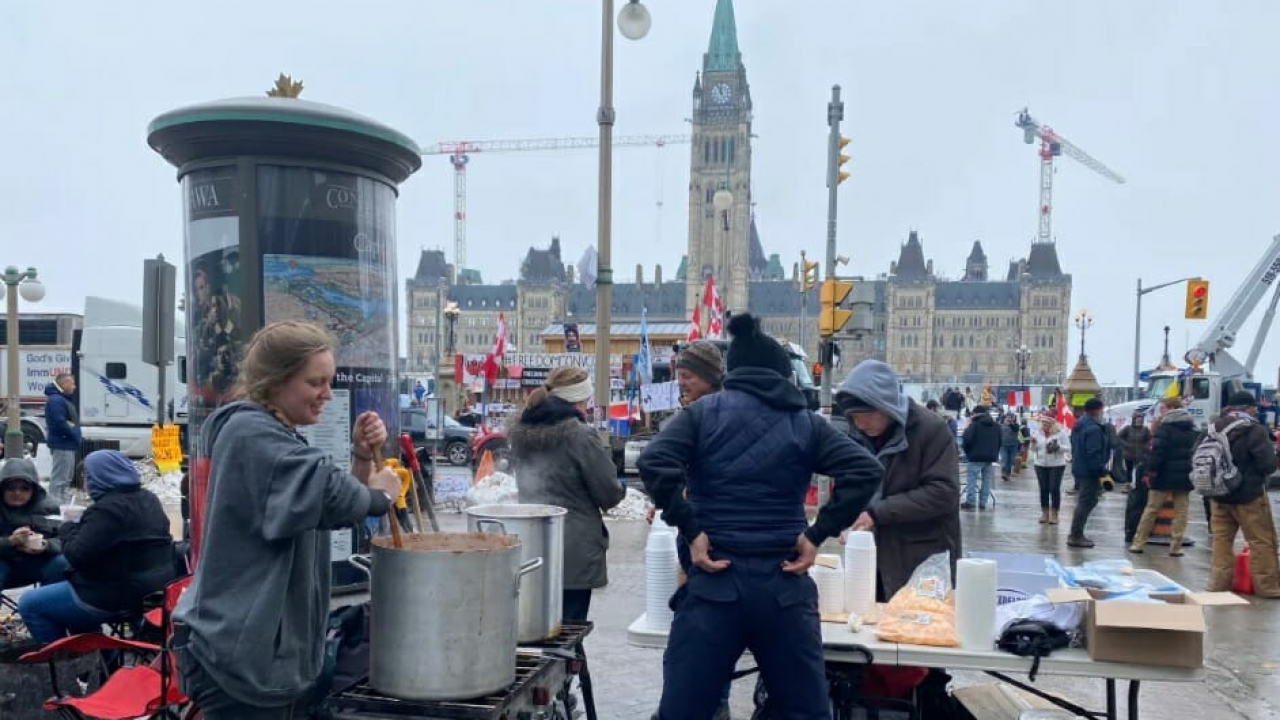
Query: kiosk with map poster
[[290, 215]]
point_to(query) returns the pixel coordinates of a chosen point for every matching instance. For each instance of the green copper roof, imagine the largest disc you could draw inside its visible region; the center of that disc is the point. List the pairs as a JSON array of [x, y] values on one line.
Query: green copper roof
[[722, 53]]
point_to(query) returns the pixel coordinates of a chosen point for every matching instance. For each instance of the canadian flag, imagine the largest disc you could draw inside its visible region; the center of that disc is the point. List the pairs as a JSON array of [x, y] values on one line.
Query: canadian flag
[[494, 358], [711, 299], [1019, 398], [695, 324], [1064, 416]]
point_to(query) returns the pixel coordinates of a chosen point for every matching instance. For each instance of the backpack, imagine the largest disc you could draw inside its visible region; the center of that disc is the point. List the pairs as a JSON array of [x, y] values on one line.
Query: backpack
[[1032, 638], [1213, 472]]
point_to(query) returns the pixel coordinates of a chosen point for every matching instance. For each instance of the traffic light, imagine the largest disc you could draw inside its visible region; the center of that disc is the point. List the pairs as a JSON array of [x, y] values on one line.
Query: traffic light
[[841, 159], [1197, 299], [833, 317], [808, 275]]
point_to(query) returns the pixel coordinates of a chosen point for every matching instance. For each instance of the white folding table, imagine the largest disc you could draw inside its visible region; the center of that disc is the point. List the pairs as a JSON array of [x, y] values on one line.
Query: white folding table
[[842, 645]]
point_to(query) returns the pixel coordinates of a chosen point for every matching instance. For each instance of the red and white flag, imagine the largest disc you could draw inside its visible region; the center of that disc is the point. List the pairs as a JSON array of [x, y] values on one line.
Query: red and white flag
[[494, 358], [711, 299], [1019, 398], [695, 325]]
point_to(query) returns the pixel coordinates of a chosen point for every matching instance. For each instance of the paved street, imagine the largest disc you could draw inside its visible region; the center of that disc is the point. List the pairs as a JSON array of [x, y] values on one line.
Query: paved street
[[1243, 646]]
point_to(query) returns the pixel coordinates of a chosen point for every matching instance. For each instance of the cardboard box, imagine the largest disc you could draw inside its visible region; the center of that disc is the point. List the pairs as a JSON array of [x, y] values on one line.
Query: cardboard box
[[1169, 634]]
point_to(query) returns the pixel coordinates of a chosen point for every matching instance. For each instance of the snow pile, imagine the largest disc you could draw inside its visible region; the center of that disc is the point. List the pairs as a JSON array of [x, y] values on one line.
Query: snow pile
[[633, 507], [167, 487], [497, 489]]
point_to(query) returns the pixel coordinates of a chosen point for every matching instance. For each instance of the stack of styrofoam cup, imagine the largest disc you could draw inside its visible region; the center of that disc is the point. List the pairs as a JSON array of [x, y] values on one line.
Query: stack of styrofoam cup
[[829, 577], [660, 567], [859, 572]]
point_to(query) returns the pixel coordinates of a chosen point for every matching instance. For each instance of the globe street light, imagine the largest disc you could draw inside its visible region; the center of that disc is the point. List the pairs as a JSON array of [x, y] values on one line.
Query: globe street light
[[1084, 321], [633, 23], [16, 282]]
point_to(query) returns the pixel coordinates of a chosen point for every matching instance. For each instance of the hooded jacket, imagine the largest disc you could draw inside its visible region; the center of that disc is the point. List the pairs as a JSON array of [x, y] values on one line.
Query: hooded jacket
[[1254, 456], [1040, 444], [558, 460], [1169, 463], [258, 605], [981, 440], [32, 515], [61, 420], [121, 550], [1135, 442], [917, 511], [737, 465], [1090, 448]]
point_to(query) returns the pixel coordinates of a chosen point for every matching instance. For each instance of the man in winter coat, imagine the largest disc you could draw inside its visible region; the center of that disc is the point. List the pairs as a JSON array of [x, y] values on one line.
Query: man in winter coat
[[981, 443], [1167, 474], [731, 471], [63, 437], [1010, 444], [917, 511], [1135, 443], [1247, 509], [1090, 454], [24, 558]]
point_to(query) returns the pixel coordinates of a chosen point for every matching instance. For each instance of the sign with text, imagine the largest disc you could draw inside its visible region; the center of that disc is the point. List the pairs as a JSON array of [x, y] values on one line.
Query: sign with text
[[36, 369], [166, 448]]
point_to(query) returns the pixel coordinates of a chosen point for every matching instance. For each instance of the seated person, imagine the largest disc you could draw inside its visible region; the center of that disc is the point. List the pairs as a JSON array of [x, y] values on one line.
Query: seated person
[[26, 558], [120, 551]]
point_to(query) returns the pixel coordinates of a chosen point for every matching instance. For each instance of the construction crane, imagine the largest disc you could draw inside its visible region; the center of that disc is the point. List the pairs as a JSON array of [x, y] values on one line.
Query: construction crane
[[1052, 145], [459, 154]]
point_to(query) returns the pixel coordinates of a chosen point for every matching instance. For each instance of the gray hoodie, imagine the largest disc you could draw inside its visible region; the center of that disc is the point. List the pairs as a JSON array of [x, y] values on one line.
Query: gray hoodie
[[259, 603]]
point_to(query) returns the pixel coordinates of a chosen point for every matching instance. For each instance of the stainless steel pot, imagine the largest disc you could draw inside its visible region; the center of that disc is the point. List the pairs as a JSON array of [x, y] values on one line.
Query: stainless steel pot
[[444, 614], [541, 531]]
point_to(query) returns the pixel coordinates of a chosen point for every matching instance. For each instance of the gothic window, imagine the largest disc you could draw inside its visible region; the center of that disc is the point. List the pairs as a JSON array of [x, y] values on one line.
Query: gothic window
[[710, 194], [706, 152], [715, 151], [972, 342], [731, 150], [1050, 341]]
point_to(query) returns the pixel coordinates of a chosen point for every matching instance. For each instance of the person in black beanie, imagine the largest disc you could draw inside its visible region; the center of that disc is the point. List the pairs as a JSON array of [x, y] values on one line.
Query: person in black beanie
[[731, 472]]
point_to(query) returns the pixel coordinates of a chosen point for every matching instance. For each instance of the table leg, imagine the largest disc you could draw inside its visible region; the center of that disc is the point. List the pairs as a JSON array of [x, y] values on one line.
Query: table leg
[[1134, 687], [584, 684], [1111, 699]]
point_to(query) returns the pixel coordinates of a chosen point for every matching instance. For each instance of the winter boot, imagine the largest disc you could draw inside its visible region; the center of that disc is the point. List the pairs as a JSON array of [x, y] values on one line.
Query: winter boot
[[1044, 517]]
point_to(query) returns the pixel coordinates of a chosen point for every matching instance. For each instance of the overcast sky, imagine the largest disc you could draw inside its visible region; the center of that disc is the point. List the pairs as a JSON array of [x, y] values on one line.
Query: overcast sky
[[1178, 96]]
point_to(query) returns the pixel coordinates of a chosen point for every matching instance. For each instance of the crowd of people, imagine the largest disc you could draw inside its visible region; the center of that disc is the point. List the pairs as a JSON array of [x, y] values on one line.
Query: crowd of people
[[729, 471]]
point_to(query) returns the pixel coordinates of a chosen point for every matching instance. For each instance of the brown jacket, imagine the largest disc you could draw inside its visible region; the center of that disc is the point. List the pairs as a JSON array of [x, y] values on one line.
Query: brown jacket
[[1253, 454], [917, 512]]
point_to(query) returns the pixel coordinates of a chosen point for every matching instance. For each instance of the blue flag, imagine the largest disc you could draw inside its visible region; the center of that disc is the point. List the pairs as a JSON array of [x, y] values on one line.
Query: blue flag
[[644, 357]]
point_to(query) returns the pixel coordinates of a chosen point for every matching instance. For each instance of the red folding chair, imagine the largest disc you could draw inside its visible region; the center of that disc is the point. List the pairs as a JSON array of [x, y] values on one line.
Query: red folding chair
[[134, 691]]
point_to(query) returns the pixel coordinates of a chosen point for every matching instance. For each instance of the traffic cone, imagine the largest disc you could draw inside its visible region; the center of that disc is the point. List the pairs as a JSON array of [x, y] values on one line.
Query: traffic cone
[[1160, 532], [485, 468]]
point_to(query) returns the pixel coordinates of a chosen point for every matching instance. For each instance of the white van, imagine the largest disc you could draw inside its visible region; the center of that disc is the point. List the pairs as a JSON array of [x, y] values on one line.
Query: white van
[[117, 393]]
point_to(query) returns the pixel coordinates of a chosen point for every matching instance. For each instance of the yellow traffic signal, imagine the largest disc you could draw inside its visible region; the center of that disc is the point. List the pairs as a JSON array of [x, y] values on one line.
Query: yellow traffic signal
[[833, 317], [841, 159], [1197, 299], [808, 275]]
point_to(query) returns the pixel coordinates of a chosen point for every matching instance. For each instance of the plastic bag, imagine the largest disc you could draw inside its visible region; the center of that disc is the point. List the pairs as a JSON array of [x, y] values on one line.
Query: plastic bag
[[1138, 595], [1110, 567], [923, 612], [1064, 616]]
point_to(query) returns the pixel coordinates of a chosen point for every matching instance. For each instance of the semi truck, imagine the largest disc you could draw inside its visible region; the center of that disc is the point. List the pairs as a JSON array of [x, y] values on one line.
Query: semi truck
[[118, 395]]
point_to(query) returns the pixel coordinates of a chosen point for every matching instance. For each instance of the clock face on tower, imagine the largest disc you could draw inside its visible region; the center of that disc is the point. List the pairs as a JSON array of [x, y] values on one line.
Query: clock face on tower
[[721, 93]]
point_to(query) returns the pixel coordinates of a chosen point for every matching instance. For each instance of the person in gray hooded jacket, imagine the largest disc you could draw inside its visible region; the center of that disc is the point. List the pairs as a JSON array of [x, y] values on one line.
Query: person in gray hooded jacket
[[917, 511], [249, 632]]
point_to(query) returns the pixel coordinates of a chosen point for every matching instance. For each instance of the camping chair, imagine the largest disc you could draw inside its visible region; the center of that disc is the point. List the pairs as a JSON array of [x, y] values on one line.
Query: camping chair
[[133, 691]]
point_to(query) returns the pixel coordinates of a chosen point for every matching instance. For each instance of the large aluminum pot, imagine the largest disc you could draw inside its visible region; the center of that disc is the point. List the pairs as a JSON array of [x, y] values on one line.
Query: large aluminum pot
[[443, 624], [541, 531]]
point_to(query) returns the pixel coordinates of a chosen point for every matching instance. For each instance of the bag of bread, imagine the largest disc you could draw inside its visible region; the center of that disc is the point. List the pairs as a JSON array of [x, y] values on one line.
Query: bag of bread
[[923, 612]]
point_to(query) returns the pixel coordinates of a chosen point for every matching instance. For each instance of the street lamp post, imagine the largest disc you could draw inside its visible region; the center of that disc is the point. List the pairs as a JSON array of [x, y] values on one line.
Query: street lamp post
[[16, 282], [451, 313], [1022, 354], [1084, 321], [1137, 323], [633, 23]]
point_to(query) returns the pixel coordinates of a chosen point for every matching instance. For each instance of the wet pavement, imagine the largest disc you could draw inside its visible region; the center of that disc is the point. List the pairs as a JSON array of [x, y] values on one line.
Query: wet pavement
[[1242, 649]]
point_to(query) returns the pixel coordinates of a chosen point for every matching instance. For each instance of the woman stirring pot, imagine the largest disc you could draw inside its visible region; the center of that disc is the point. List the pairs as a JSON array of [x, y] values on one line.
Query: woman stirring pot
[[249, 632]]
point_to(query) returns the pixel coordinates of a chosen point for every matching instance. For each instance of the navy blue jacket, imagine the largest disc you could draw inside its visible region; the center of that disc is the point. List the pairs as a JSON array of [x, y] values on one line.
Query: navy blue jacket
[[61, 419], [737, 465], [1090, 448]]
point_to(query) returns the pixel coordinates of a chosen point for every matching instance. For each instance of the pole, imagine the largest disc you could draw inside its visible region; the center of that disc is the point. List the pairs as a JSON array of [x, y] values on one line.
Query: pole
[[13, 430], [1137, 337], [604, 270], [835, 113], [439, 363], [804, 300]]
